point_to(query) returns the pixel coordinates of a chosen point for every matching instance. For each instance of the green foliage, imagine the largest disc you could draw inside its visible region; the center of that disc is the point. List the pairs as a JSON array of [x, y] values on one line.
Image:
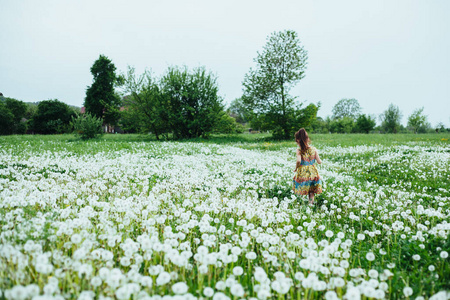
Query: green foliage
[[130, 120], [18, 108], [390, 119], [239, 111], [6, 120], [319, 125], [190, 102], [227, 124], [143, 101], [101, 99], [52, 117], [31, 111], [87, 126], [342, 125], [279, 67], [365, 124], [440, 127], [304, 117], [417, 121], [183, 103], [346, 108], [20, 128]]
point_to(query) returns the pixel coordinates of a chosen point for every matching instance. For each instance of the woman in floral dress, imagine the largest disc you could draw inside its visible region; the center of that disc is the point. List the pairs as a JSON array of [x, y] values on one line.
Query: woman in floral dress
[[306, 180]]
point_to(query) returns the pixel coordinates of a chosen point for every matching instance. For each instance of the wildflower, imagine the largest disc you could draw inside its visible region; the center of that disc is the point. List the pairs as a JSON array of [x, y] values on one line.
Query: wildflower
[[260, 274], [180, 288], [370, 256], [76, 238], [163, 278], [352, 293], [237, 271], [237, 290], [373, 273], [407, 291], [208, 292], [220, 296], [220, 285], [299, 276], [331, 295], [96, 281]]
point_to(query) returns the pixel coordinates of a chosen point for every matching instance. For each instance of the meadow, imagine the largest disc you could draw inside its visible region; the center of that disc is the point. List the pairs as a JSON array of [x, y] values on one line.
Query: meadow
[[128, 217]]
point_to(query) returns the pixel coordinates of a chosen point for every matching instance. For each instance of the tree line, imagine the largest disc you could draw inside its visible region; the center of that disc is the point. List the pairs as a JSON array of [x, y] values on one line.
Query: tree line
[[185, 103], [347, 118]]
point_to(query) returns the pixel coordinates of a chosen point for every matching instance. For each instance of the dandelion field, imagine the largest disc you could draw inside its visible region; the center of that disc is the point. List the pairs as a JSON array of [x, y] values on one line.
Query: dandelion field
[[135, 219]]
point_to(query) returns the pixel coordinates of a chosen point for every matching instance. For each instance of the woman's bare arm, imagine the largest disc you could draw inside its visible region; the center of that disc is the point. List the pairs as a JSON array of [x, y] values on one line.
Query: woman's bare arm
[[319, 161]]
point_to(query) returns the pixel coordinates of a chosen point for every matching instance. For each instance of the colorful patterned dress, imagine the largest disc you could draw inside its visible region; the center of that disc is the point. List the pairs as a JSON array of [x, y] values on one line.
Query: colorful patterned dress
[[307, 179]]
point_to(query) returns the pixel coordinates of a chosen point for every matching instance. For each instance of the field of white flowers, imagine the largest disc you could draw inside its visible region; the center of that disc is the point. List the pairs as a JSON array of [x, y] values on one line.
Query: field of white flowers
[[170, 220]]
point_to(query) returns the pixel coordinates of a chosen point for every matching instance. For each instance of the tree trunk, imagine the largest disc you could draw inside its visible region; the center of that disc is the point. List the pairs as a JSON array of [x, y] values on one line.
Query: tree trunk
[[283, 119], [155, 132]]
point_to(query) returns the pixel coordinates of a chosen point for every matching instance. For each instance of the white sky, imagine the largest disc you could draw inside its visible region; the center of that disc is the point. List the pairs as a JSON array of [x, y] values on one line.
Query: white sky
[[379, 52]]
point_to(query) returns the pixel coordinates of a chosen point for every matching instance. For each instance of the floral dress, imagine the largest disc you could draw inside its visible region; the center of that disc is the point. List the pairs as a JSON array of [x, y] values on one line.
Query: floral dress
[[307, 179]]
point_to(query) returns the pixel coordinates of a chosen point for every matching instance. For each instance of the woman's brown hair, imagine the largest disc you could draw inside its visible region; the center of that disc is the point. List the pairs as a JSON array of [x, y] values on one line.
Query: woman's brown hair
[[302, 139]]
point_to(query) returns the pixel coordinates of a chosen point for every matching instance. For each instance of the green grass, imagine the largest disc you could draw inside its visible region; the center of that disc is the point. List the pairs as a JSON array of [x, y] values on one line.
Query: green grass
[[260, 141]]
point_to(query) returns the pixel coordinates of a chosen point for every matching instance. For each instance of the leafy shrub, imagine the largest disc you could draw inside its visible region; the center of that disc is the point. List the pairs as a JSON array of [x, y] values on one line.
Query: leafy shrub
[[52, 116], [87, 126], [365, 124], [21, 128], [227, 124]]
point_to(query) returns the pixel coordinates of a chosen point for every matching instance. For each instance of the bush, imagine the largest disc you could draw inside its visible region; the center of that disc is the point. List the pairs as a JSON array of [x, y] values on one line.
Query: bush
[[364, 124], [342, 125], [87, 126], [21, 128], [227, 124], [52, 116]]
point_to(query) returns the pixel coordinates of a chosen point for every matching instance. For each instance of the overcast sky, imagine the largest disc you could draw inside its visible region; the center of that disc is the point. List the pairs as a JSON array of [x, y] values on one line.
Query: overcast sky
[[379, 52]]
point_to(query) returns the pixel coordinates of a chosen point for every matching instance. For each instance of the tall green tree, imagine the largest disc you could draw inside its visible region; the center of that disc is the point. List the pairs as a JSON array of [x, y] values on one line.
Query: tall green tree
[[417, 120], [101, 99], [18, 109], [191, 102], [143, 103], [6, 120], [346, 108], [390, 119], [342, 125], [280, 66]]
